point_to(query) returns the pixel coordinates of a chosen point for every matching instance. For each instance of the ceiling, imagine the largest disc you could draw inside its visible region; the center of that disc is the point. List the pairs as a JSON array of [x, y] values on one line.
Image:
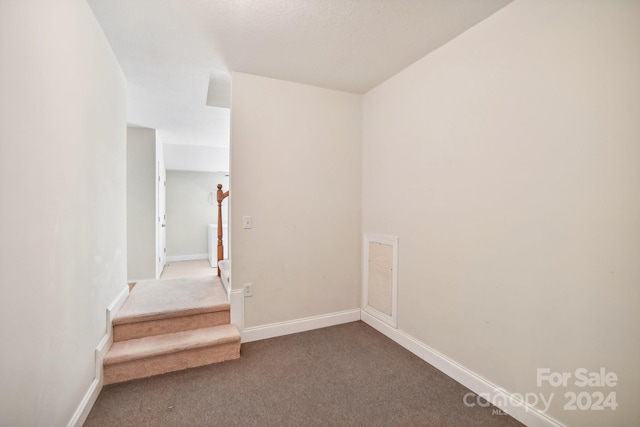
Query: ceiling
[[177, 55]]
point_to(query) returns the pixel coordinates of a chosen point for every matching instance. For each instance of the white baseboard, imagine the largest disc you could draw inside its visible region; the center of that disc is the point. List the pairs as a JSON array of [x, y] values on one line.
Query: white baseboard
[[191, 257], [299, 325], [236, 299], [140, 279], [90, 397], [114, 307], [82, 413], [505, 401]]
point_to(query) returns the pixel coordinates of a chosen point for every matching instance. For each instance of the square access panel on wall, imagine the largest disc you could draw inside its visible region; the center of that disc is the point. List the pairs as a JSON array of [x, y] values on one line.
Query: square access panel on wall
[[380, 277]]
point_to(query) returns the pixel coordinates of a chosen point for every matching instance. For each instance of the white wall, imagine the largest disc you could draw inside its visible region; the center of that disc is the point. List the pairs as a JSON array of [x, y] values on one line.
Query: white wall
[[190, 210], [161, 208], [508, 159], [196, 158], [63, 205], [141, 204], [296, 169]]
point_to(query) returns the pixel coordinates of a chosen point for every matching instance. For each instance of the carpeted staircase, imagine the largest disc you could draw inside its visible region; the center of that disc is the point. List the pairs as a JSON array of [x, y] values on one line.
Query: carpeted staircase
[[169, 325]]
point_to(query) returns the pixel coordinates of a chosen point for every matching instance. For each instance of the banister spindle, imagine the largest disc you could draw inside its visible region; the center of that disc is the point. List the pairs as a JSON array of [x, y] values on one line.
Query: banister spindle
[[220, 196]]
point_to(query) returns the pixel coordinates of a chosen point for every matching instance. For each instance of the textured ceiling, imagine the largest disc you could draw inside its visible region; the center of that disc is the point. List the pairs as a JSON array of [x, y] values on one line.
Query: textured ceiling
[[170, 50]]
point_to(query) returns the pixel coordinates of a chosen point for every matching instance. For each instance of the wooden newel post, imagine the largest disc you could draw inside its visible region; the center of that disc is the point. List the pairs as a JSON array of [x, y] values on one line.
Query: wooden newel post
[[221, 196]]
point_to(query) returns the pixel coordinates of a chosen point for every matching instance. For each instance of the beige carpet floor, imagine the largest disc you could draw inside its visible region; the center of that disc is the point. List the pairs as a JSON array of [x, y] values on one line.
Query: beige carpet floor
[[151, 299], [177, 269]]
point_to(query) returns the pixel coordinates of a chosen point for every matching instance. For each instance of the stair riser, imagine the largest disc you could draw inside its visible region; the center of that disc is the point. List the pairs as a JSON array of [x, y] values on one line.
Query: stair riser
[[165, 326], [164, 363]]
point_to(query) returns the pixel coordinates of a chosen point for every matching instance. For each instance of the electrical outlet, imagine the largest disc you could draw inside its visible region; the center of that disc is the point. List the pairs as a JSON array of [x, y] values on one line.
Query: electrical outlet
[[248, 290]]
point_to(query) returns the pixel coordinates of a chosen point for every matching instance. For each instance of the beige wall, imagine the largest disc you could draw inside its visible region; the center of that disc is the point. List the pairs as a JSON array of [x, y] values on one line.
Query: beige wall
[[141, 204], [63, 210], [190, 211], [296, 169], [509, 159]]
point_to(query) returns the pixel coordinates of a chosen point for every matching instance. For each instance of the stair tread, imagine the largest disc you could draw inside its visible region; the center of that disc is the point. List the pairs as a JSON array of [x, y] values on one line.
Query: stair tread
[[163, 299], [139, 348]]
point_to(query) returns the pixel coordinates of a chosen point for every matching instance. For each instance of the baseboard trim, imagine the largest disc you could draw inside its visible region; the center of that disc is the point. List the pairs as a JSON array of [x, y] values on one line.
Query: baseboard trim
[[272, 330], [500, 398], [113, 308], [236, 300], [192, 257], [90, 397]]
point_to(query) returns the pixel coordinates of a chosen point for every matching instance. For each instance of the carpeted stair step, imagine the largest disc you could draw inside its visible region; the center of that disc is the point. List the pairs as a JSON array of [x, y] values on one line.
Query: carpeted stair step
[[154, 355], [157, 307]]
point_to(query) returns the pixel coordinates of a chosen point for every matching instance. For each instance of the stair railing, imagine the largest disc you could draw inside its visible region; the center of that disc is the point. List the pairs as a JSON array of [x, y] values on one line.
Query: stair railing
[[221, 196]]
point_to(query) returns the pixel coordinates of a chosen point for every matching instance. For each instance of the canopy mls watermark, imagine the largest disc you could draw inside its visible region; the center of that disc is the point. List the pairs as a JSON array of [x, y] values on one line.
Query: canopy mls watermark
[[597, 395]]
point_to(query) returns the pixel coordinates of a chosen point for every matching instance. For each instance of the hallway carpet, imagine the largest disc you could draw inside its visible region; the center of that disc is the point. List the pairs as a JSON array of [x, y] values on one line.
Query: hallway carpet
[[176, 269], [346, 375]]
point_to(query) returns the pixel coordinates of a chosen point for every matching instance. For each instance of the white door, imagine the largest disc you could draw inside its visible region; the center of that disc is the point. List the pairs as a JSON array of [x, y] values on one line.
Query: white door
[[162, 219]]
